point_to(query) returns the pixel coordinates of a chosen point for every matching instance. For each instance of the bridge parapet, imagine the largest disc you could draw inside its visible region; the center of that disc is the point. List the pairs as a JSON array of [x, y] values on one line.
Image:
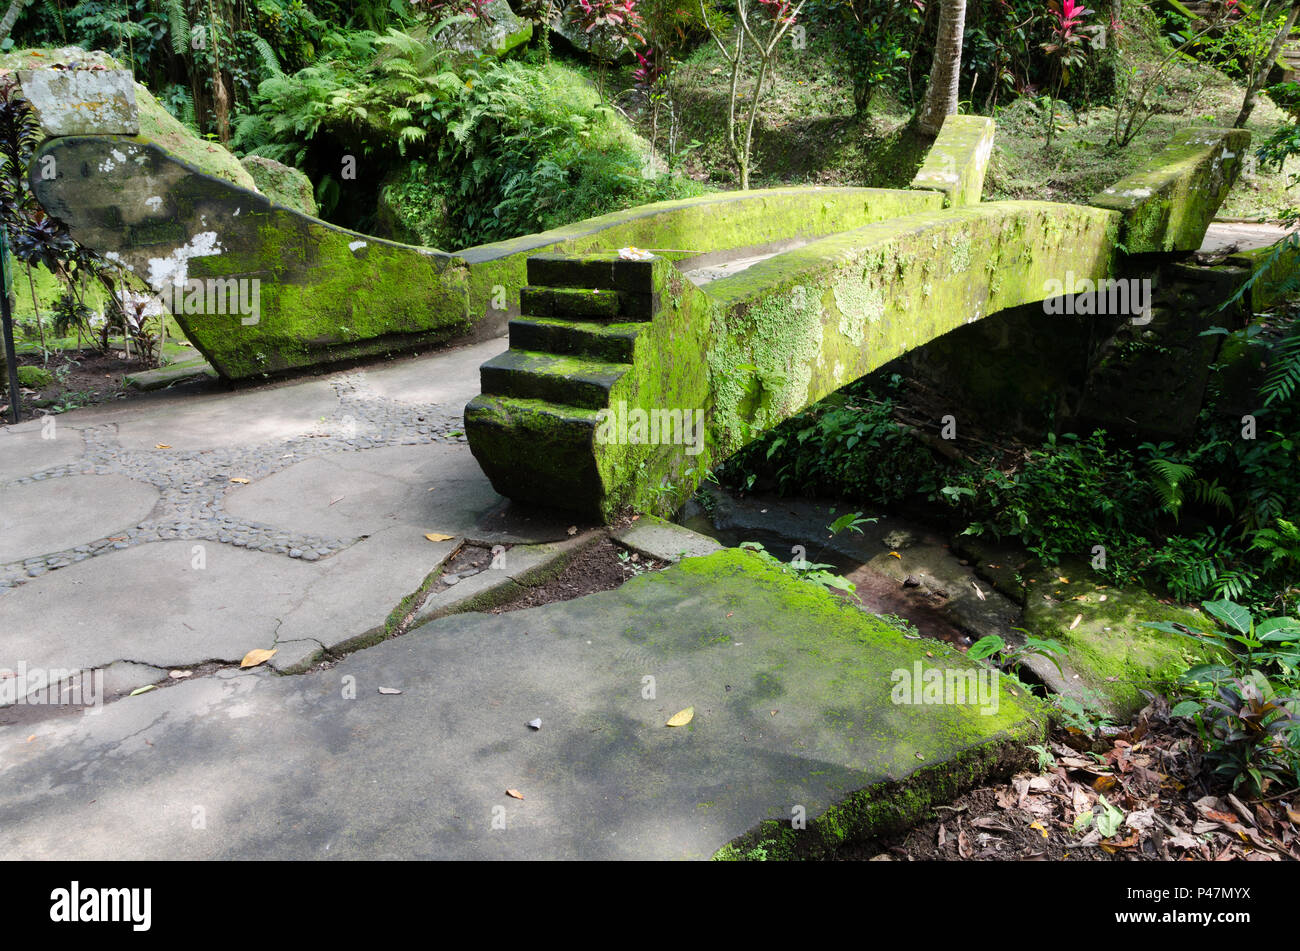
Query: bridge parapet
[[1169, 204], [956, 163], [738, 356]]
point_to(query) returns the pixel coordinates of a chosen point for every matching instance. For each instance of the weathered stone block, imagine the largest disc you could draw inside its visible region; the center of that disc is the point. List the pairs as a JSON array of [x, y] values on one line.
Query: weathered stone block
[[956, 163], [1169, 204], [282, 184], [82, 101]]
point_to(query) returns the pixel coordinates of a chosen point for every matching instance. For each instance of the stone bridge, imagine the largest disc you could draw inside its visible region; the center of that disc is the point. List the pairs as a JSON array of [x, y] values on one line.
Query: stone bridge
[[628, 375]]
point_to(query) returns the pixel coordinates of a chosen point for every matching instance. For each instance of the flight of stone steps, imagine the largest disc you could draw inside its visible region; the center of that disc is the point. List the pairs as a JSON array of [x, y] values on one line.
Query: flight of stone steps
[[571, 347], [574, 337]]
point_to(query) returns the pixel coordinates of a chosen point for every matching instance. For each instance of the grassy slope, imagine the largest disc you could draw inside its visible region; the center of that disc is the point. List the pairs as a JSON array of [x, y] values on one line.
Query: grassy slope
[[806, 132]]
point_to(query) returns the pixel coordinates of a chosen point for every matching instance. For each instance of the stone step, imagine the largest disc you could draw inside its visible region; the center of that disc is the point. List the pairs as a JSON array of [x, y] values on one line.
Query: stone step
[[604, 271], [567, 380], [614, 343], [556, 440], [581, 303]]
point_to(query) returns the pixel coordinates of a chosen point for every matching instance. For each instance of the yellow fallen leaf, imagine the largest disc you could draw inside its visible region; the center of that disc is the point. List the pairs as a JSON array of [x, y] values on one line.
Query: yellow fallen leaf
[[438, 537], [1063, 580], [897, 555], [1075, 622], [240, 481], [145, 689], [682, 717], [257, 656], [1039, 827], [162, 445], [514, 794]]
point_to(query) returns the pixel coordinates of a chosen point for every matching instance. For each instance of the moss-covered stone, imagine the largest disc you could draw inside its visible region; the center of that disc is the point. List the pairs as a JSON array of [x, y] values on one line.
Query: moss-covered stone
[[156, 123], [753, 349], [1169, 204], [34, 378], [887, 761], [794, 328], [956, 163], [282, 184], [1276, 270], [1108, 650], [315, 293]]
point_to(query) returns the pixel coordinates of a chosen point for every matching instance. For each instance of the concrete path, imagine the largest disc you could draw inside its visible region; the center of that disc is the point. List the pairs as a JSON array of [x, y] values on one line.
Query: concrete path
[[1229, 237], [322, 517], [793, 715], [203, 525]]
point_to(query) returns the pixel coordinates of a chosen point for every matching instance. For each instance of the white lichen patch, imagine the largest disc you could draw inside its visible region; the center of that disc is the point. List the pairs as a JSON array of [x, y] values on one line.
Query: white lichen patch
[[153, 202], [859, 302], [355, 246], [173, 270], [111, 162]]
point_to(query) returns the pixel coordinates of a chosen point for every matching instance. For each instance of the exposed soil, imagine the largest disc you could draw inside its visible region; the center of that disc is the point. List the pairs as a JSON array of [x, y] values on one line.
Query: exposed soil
[[80, 379], [601, 567], [1162, 807]]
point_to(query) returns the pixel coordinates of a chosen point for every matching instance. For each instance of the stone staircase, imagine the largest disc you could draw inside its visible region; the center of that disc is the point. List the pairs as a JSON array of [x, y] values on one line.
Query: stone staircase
[[572, 353]]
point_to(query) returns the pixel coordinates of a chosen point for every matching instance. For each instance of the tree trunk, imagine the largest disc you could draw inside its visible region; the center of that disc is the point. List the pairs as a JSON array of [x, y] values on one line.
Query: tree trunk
[[1261, 77], [11, 17], [941, 95]]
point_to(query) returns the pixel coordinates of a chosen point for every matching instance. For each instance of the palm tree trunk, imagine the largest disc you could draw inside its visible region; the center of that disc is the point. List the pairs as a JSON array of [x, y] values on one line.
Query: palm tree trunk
[[11, 17], [1261, 77], [941, 95]]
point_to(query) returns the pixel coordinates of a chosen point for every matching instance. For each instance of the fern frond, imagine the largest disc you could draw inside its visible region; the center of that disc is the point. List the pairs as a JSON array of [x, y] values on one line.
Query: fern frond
[[1211, 493], [270, 62], [1284, 376], [178, 26]]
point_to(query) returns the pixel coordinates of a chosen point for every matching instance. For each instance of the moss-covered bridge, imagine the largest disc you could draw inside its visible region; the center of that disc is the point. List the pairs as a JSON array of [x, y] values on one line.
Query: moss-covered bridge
[[628, 375]]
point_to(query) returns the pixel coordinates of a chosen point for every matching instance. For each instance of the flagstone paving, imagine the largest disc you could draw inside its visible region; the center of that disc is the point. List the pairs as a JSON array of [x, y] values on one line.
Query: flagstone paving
[[193, 525], [202, 524], [793, 715]]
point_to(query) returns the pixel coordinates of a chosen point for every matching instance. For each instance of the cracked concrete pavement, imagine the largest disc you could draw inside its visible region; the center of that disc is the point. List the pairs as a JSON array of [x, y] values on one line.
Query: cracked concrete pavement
[[135, 508]]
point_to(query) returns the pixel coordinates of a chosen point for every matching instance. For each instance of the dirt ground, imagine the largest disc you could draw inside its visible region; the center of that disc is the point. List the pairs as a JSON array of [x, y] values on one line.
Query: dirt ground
[[80, 379], [601, 567], [1135, 794]]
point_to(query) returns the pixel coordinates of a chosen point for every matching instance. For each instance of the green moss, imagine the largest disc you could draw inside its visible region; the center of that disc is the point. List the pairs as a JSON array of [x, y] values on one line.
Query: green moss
[[282, 184], [956, 163], [845, 659], [1168, 205], [1114, 655], [34, 378]]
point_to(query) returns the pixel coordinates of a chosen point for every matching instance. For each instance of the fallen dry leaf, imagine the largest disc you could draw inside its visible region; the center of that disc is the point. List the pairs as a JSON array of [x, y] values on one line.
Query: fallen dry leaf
[[389, 691], [1075, 622], [438, 537], [514, 794], [682, 717], [180, 674], [572, 529], [162, 445], [257, 656], [240, 480], [897, 555]]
